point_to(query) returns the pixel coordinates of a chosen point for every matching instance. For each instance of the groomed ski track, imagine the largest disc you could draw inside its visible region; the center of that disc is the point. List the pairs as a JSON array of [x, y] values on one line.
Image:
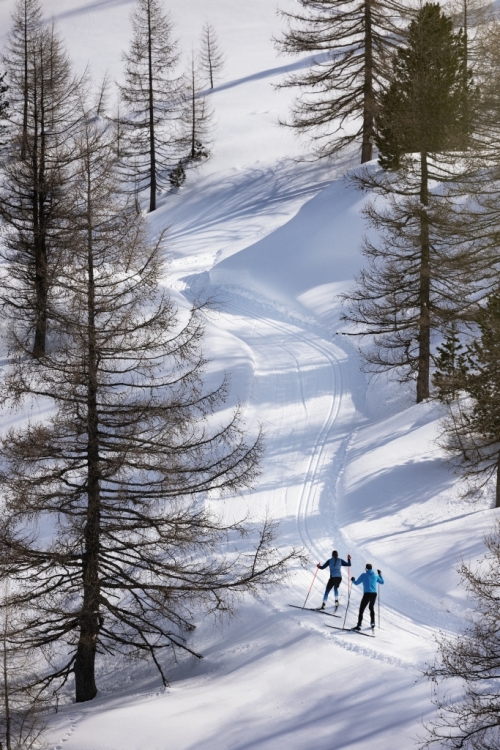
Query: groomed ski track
[[304, 380], [334, 474], [315, 398]]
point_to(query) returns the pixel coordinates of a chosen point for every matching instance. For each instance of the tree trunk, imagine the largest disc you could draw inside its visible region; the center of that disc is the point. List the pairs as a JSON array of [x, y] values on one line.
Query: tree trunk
[[497, 495], [424, 333], [152, 145], [39, 224], [368, 102], [209, 55], [193, 116], [90, 617], [24, 140], [8, 727]]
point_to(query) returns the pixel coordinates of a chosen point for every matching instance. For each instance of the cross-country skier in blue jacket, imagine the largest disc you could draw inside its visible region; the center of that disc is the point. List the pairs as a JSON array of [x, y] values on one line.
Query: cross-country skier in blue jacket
[[335, 564], [369, 581]]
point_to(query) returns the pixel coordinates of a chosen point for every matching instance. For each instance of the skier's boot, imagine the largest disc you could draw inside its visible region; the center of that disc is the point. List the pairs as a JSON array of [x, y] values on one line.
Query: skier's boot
[[322, 606], [372, 625], [336, 602], [358, 627]]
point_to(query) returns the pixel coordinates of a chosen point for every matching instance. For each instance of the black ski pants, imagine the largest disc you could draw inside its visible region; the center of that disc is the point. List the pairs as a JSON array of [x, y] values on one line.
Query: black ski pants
[[332, 583], [368, 599]]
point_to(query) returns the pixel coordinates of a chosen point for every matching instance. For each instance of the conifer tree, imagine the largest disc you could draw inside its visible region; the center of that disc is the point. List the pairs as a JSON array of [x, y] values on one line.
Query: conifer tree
[[470, 720], [22, 703], [450, 366], [196, 116], [419, 278], [211, 56], [472, 430], [423, 110], [340, 90], [18, 60], [33, 184], [123, 467], [152, 98]]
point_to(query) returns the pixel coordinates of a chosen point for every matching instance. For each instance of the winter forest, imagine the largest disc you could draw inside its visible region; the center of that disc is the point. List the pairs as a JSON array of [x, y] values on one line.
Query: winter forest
[[249, 349]]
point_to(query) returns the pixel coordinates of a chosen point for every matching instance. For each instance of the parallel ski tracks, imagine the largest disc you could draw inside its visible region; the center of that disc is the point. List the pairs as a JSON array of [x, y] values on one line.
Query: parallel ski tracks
[[311, 486]]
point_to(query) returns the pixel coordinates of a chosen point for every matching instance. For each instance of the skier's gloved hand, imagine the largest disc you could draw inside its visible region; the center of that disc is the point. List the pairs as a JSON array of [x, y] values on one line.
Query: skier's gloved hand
[[379, 572], [353, 579], [348, 557], [318, 565]]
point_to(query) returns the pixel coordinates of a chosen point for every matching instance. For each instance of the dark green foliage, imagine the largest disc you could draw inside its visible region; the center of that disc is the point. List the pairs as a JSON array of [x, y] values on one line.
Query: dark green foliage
[[473, 427], [199, 151], [451, 367], [483, 380], [425, 107], [177, 176]]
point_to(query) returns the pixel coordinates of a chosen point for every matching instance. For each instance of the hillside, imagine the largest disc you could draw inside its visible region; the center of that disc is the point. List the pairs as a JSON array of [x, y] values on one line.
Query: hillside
[[349, 464]]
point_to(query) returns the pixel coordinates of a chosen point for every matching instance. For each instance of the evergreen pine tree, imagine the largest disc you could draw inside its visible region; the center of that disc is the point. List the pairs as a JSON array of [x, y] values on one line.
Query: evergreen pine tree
[[451, 367], [177, 176], [423, 110], [472, 430], [419, 278]]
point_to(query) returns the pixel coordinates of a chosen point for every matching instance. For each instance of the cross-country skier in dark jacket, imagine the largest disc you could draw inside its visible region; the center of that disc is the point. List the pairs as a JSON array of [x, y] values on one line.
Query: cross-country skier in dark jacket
[[335, 564], [369, 581]]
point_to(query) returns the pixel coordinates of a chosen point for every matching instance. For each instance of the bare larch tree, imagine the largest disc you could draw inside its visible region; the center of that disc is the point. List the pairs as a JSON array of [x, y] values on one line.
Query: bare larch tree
[[212, 58], [351, 41], [470, 719], [196, 116], [26, 24], [151, 99], [22, 703], [33, 181], [123, 467]]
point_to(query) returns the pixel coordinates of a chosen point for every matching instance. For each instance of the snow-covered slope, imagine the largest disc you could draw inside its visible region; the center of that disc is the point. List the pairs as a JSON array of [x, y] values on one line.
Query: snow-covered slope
[[349, 465]]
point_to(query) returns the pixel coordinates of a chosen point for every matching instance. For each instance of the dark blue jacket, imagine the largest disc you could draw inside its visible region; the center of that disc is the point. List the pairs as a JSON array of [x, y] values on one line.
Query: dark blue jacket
[[335, 566]]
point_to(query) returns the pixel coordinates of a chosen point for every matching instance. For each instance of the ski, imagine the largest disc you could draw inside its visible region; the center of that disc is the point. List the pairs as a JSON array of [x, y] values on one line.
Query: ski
[[351, 630], [310, 609]]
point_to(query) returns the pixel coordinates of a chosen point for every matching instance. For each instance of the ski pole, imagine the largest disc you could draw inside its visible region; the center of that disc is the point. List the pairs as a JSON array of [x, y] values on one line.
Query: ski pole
[[310, 587], [378, 605], [348, 597]]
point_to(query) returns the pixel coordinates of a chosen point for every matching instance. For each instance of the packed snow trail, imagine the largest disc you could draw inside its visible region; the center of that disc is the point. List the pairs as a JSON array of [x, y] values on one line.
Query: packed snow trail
[[308, 410], [348, 465]]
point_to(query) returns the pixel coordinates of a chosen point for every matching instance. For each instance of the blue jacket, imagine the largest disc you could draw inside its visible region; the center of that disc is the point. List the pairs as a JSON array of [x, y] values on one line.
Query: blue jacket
[[369, 579], [335, 567]]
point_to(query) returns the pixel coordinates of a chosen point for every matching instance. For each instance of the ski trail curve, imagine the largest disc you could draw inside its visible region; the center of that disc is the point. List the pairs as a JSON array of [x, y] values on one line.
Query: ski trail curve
[[305, 374]]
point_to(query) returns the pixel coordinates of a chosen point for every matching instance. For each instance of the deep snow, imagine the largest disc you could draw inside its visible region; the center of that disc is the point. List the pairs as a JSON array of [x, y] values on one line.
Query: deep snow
[[349, 464]]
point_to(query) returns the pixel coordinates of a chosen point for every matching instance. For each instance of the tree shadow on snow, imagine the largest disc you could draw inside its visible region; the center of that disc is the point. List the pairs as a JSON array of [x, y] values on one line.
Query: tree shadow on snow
[[91, 7], [383, 493]]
